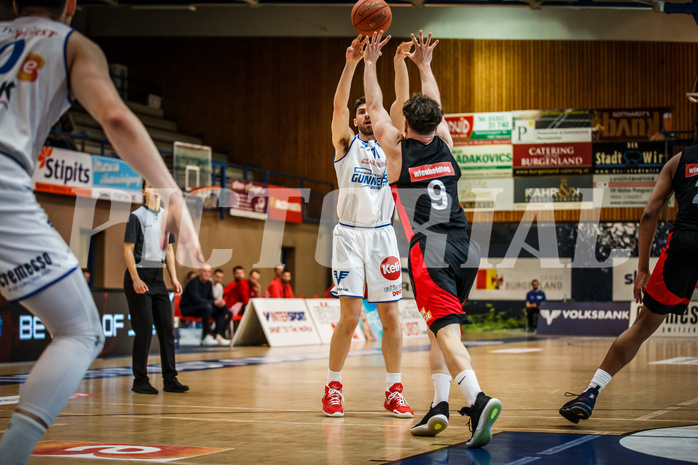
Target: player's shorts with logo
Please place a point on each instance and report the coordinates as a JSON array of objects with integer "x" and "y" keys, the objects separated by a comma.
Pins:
[
  {"x": 440, "y": 280},
  {"x": 33, "y": 255},
  {"x": 674, "y": 278},
  {"x": 366, "y": 259}
]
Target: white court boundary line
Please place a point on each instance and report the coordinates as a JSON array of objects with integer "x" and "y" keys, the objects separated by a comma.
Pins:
[{"x": 667, "y": 410}]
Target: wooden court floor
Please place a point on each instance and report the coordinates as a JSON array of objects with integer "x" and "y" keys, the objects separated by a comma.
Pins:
[{"x": 262, "y": 405}]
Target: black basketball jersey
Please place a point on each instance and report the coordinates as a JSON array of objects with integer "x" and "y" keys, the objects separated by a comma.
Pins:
[
  {"x": 426, "y": 194},
  {"x": 685, "y": 184}
]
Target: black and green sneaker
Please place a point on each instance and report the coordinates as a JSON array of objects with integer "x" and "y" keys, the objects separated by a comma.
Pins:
[
  {"x": 435, "y": 421},
  {"x": 483, "y": 414}
]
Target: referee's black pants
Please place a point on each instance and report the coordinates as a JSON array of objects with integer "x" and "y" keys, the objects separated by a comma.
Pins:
[{"x": 152, "y": 308}]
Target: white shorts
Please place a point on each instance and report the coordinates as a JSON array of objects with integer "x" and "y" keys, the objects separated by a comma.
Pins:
[
  {"x": 33, "y": 255},
  {"x": 366, "y": 258}
]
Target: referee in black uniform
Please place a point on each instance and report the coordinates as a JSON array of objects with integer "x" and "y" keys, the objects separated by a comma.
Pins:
[{"x": 147, "y": 296}]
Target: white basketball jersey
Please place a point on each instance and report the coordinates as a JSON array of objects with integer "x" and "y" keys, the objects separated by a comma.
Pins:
[
  {"x": 34, "y": 85},
  {"x": 365, "y": 199}
]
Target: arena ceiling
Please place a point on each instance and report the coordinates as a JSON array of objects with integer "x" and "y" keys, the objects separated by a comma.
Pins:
[{"x": 672, "y": 6}]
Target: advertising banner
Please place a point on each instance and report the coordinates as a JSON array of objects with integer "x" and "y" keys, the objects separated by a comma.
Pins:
[
  {"x": 277, "y": 322},
  {"x": 285, "y": 204},
  {"x": 412, "y": 322},
  {"x": 477, "y": 128},
  {"x": 552, "y": 159},
  {"x": 628, "y": 157},
  {"x": 250, "y": 199},
  {"x": 490, "y": 194},
  {"x": 325, "y": 314},
  {"x": 685, "y": 325},
  {"x": 511, "y": 279},
  {"x": 630, "y": 124},
  {"x": 551, "y": 126},
  {"x": 584, "y": 318},
  {"x": 626, "y": 190},
  {"x": 23, "y": 336},
  {"x": 66, "y": 172},
  {"x": 556, "y": 192},
  {"x": 624, "y": 273},
  {"x": 478, "y": 161},
  {"x": 114, "y": 178}
]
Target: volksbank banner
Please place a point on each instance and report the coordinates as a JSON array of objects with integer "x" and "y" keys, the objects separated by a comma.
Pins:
[
  {"x": 584, "y": 318},
  {"x": 489, "y": 160}
]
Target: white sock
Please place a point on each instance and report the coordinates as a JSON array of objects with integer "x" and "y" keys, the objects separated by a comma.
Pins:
[
  {"x": 392, "y": 378},
  {"x": 600, "y": 379},
  {"x": 334, "y": 376},
  {"x": 467, "y": 382},
  {"x": 19, "y": 439},
  {"x": 442, "y": 387}
]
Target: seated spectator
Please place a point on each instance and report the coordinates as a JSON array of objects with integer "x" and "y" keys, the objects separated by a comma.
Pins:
[
  {"x": 280, "y": 288},
  {"x": 198, "y": 301},
  {"x": 191, "y": 275},
  {"x": 216, "y": 280},
  {"x": 245, "y": 290},
  {"x": 230, "y": 292}
]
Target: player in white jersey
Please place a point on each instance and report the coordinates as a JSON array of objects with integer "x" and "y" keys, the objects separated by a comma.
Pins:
[
  {"x": 365, "y": 256},
  {"x": 44, "y": 65}
]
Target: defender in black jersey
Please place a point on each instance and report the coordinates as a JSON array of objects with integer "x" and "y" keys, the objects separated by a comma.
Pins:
[
  {"x": 442, "y": 264},
  {"x": 673, "y": 280}
]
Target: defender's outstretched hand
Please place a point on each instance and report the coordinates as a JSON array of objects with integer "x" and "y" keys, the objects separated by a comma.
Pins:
[
  {"x": 355, "y": 52},
  {"x": 374, "y": 46},
  {"x": 422, "y": 49},
  {"x": 403, "y": 51}
]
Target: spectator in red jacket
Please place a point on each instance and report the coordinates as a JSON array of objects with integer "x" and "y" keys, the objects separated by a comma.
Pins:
[
  {"x": 230, "y": 293},
  {"x": 280, "y": 288}
]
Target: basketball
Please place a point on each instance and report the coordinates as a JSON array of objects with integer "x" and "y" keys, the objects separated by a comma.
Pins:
[{"x": 369, "y": 16}]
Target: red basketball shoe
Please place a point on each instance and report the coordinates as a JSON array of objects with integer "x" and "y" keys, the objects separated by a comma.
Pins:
[
  {"x": 332, "y": 400},
  {"x": 395, "y": 403}
]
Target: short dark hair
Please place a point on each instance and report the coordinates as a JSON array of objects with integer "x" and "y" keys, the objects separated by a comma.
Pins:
[
  {"x": 422, "y": 113},
  {"x": 358, "y": 103},
  {"x": 238, "y": 267},
  {"x": 218, "y": 270},
  {"x": 255, "y": 270},
  {"x": 53, "y": 7}
]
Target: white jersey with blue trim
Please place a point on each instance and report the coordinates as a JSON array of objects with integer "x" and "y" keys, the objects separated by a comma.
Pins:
[
  {"x": 34, "y": 85},
  {"x": 365, "y": 199}
]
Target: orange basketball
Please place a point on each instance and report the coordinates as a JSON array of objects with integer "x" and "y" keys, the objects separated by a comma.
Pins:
[{"x": 369, "y": 16}]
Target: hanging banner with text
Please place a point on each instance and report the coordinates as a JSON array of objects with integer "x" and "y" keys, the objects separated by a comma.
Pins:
[
  {"x": 551, "y": 127},
  {"x": 626, "y": 190},
  {"x": 630, "y": 124},
  {"x": 480, "y": 128},
  {"x": 511, "y": 279},
  {"x": 556, "y": 192},
  {"x": 67, "y": 172},
  {"x": 629, "y": 157},
  {"x": 249, "y": 199},
  {"x": 483, "y": 161},
  {"x": 552, "y": 159},
  {"x": 489, "y": 194}
]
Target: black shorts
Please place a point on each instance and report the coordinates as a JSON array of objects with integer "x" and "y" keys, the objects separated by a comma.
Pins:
[
  {"x": 675, "y": 276},
  {"x": 440, "y": 281}
]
